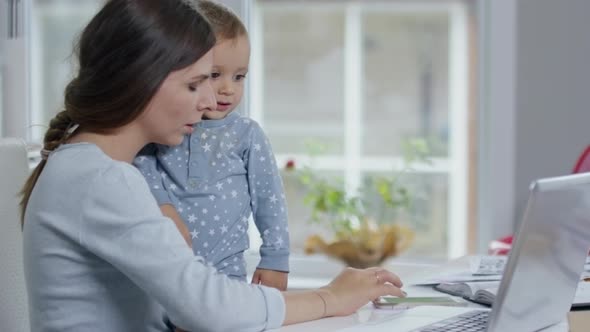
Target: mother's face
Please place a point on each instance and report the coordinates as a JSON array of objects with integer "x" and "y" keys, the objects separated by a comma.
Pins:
[{"x": 179, "y": 103}]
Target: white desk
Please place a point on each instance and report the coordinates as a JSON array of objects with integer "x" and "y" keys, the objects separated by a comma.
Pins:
[{"x": 408, "y": 272}]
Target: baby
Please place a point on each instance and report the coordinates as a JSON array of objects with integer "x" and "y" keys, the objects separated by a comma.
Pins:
[{"x": 224, "y": 171}]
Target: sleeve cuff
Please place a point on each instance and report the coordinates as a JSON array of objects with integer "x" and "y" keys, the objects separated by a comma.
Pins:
[
  {"x": 275, "y": 307},
  {"x": 277, "y": 260},
  {"x": 162, "y": 197}
]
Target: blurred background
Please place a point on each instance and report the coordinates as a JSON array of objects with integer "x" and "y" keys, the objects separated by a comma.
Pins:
[{"x": 496, "y": 89}]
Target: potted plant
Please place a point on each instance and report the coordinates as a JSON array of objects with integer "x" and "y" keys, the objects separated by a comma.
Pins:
[{"x": 363, "y": 234}]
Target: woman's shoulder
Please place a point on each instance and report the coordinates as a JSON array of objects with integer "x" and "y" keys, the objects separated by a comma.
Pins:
[{"x": 87, "y": 162}]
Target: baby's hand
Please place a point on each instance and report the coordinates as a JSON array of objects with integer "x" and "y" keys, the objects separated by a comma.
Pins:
[{"x": 270, "y": 278}]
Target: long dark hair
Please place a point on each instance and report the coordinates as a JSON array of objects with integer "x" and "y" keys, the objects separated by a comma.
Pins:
[{"x": 124, "y": 53}]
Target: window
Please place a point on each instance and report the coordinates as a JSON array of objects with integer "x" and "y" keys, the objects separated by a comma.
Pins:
[
  {"x": 362, "y": 77},
  {"x": 55, "y": 26}
]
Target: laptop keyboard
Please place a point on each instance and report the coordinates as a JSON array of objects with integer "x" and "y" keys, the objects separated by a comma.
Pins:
[{"x": 472, "y": 321}]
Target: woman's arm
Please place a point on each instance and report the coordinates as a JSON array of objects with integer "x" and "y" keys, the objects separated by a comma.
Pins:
[{"x": 123, "y": 225}]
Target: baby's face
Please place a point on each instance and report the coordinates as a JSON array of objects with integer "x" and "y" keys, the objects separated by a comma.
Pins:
[{"x": 230, "y": 66}]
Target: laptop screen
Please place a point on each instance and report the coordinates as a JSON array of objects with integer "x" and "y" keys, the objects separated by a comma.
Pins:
[{"x": 543, "y": 270}]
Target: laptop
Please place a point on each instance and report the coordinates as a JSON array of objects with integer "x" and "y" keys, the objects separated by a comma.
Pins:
[{"x": 540, "y": 278}]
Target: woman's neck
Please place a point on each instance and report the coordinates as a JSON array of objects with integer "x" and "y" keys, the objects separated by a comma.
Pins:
[{"x": 120, "y": 145}]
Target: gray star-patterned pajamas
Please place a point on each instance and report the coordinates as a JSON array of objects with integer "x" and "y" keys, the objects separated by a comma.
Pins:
[{"x": 216, "y": 178}]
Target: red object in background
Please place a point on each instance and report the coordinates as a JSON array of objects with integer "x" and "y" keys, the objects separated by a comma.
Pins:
[
  {"x": 502, "y": 246},
  {"x": 290, "y": 165},
  {"x": 583, "y": 164}
]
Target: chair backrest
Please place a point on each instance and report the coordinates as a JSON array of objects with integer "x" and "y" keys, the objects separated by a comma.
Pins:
[
  {"x": 14, "y": 315},
  {"x": 583, "y": 164}
]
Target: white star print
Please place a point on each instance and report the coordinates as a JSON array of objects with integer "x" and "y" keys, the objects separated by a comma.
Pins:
[
  {"x": 141, "y": 159},
  {"x": 222, "y": 240}
]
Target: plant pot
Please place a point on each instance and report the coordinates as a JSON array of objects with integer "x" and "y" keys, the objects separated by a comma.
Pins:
[{"x": 364, "y": 247}]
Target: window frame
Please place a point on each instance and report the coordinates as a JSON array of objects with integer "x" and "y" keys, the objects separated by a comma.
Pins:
[
  {"x": 354, "y": 164},
  {"x": 492, "y": 149}
]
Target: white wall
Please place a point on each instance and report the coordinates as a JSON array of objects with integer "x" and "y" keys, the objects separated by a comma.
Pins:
[
  {"x": 496, "y": 134},
  {"x": 553, "y": 89},
  {"x": 534, "y": 102}
]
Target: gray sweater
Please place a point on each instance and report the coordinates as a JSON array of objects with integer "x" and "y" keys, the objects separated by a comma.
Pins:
[{"x": 99, "y": 256}]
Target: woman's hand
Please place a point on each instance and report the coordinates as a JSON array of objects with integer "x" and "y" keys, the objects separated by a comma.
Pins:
[{"x": 353, "y": 288}]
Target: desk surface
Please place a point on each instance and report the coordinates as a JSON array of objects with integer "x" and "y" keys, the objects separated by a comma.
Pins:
[{"x": 579, "y": 320}]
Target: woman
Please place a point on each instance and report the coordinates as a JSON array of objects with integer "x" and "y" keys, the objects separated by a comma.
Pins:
[{"x": 99, "y": 255}]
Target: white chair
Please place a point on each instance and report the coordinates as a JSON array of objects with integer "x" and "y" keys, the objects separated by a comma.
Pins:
[{"x": 14, "y": 169}]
